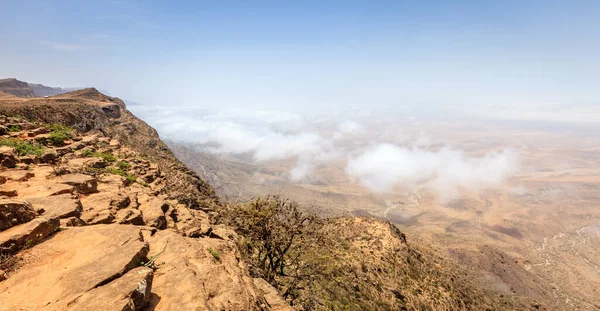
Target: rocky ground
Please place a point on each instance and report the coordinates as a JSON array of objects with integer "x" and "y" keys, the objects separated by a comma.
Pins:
[{"x": 87, "y": 222}]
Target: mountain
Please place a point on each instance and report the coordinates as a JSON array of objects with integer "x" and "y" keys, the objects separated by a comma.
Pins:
[
  {"x": 24, "y": 89},
  {"x": 96, "y": 211},
  {"x": 16, "y": 87}
]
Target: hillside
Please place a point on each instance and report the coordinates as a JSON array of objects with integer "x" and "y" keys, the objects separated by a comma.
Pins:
[
  {"x": 16, "y": 87},
  {"x": 97, "y": 213}
]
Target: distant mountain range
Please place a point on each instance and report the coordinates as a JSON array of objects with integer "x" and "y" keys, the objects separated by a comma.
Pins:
[{"x": 24, "y": 89}]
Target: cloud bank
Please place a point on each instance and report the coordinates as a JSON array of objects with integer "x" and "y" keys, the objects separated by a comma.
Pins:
[
  {"x": 384, "y": 166},
  {"x": 262, "y": 136}
]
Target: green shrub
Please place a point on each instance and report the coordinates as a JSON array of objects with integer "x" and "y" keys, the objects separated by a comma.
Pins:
[
  {"x": 23, "y": 147},
  {"x": 59, "y": 133},
  {"x": 106, "y": 156},
  {"x": 14, "y": 128},
  {"x": 58, "y": 138},
  {"x": 130, "y": 179},
  {"x": 215, "y": 254},
  {"x": 124, "y": 165}
]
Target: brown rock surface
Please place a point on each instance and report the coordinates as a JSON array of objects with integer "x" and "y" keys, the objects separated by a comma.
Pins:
[
  {"x": 70, "y": 264},
  {"x": 127, "y": 293},
  {"x": 27, "y": 234},
  {"x": 8, "y": 157},
  {"x": 192, "y": 279},
  {"x": 17, "y": 175},
  {"x": 14, "y": 212},
  {"x": 82, "y": 183},
  {"x": 61, "y": 206}
]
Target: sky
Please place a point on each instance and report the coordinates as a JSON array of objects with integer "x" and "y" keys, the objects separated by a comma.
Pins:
[
  {"x": 304, "y": 80},
  {"x": 427, "y": 55}
]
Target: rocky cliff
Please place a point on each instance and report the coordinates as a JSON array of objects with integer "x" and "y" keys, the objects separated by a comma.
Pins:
[{"x": 97, "y": 214}]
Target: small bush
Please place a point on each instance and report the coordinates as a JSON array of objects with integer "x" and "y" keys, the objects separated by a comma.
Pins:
[
  {"x": 130, "y": 179},
  {"x": 124, "y": 165},
  {"x": 14, "y": 128},
  {"x": 23, "y": 147},
  {"x": 58, "y": 138},
  {"x": 59, "y": 133},
  {"x": 106, "y": 156},
  {"x": 215, "y": 254}
]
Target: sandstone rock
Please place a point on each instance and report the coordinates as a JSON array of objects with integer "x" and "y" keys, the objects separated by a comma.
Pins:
[
  {"x": 93, "y": 162},
  {"x": 27, "y": 234},
  {"x": 192, "y": 223},
  {"x": 130, "y": 216},
  {"x": 15, "y": 212},
  {"x": 97, "y": 208},
  {"x": 61, "y": 206},
  {"x": 17, "y": 175},
  {"x": 48, "y": 156},
  {"x": 8, "y": 157},
  {"x": 39, "y": 131},
  {"x": 61, "y": 151},
  {"x": 72, "y": 222},
  {"x": 191, "y": 279},
  {"x": 8, "y": 192},
  {"x": 75, "y": 261},
  {"x": 29, "y": 159},
  {"x": 2, "y": 275},
  {"x": 127, "y": 293},
  {"x": 153, "y": 211},
  {"x": 274, "y": 300},
  {"x": 222, "y": 232},
  {"x": 82, "y": 183},
  {"x": 37, "y": 189}
]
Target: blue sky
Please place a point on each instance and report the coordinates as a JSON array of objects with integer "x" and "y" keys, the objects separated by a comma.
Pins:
[{"x": 439, "y": 54}]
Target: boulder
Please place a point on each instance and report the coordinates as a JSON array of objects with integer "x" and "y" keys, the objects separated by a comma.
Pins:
[
  {"x": 192, "y": 223},
  {"x": 82, "y": 183},
  {"x": 130, "y": 216},
  {"x": 27, "y": 234},
  {"x": 74, "y": 262},
  {"x": 17, "y": 175},
  {"x": 8, "y": 157},
  {"x": 36, "y": 189},
  {"x": 97, "y": 208},
  {"x": 93, "y": 162},
  {"x": 30, "y": 159},
  {"x": 130, "y": 292},
  {"x": 61, "y": 206},
  {"x": 153, "y": 211},
  {"x": 15, "y": 212},
  {"x": 71, "y": 222},
  {"x": 49, "y": 156}
]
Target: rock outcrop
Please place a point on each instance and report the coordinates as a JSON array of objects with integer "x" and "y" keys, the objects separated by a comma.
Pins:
[{"x": 104, "y": 219}]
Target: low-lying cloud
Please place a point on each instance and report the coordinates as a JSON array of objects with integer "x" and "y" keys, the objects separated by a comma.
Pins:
[
  {"x": 384, "y": 166},
  {"x": 275, "y": 135}
]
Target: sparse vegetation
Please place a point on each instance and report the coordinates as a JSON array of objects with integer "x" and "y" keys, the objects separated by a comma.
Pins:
[
  {"x": 123, "y": 165},
  {"x": 59, "y": 133},
  {"x": 23, "y": 147},
  {"x": 215, "y": 254},
  {"x": 329, "y": 264},
  {"x": 106, "y": 156},
  {"x": 13, "y": 128}
]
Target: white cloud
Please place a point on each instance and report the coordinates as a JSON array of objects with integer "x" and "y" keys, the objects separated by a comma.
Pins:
[
  {"x": 385, "y": 165},
  {"x": 350, "y": 126}
]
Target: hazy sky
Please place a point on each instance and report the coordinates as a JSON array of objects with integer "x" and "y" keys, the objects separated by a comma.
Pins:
[{"x": 443, "y": 54}]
